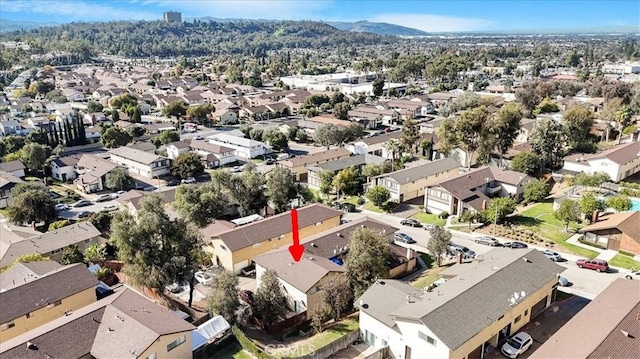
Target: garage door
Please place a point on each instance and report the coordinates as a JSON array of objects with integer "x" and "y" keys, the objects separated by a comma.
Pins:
[{"x": 538, "y": 307}]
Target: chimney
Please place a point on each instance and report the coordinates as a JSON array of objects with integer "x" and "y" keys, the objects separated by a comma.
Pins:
[
  {"x": 484, "y": 204},
  {"x": 595, "y": 216},
  {"x": 459, "y": 258},
  {"x": 409, "y": 253}
]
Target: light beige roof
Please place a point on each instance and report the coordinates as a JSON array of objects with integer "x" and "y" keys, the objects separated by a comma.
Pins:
[
  {"x": 136, "y": 155},
  {"x": 627, "y": 222}
]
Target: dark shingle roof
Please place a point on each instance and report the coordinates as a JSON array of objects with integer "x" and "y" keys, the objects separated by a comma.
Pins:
[
  {"x": 275, "y": 226},
  {"x": 314, "y": 158},
  {"x": 429, "y": 169},
  {"x": 357, "y": 160},
  {"x": 48, "y": 289}
]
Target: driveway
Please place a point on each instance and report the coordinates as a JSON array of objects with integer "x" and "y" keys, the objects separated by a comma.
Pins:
[{"x": 408, "y": 208}]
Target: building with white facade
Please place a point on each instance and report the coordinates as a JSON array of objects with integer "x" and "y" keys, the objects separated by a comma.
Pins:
[
  {"x": 479, "y": 306},
  {"x": 142, "y": 163},
  {"x": 618, "y": 162},
  {"x": 244, "y": 148}
]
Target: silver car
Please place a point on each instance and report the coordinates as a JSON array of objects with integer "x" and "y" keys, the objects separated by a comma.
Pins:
[
  {"x": 490, "y": 241},
  {"x": 554, "y": 256}
]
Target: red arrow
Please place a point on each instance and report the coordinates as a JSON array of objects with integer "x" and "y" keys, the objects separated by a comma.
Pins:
[{"x": 296, "y": 249}]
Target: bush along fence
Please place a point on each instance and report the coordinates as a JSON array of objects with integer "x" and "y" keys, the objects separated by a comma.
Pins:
[{"x": 248, "y": 345}]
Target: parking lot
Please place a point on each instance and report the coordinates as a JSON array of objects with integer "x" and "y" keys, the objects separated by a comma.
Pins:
[{"x": 542, "y": 327}]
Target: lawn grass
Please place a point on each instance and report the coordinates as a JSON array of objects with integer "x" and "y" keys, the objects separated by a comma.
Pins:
[
  {"x": 624, "y": 261},
  {"x": 353, "y": 200},
  {"x": 320, "y": 340},
  {"x": 3, "y": 212},
  {"x": 540, "y": 220},
  {"x": 232, "y": 351},
  {"x": 430, "y": 218},
  {"x": 369, "y": 206}
]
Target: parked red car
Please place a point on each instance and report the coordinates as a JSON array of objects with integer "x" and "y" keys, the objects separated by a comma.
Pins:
[{"x": 598, "y": 265}]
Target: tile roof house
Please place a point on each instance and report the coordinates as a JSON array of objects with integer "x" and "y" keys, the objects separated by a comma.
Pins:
[
  {"x": 51, "y": 295},
  {"x": 618, "y": 162},
  {"x": 356, "y": 161},
  {"x": 474, "y": 189},
  {"x": 615, "y": 311},
  {"x": 302, "y": 281},
  {"x": 141, "y": 163},
  {"x": 7, "y": 182},
  {"x": 410, "y": 183},
  {"x": 16, "y": 168},
  {"x": 15, "y": 241},
  {"x": 103, "y": 329},
  {"x": 618, "y": 231},
  {"x": 235, "y": 249},
  {"x": 213, "y": 155},
  {"x": 92, "y": 173},
  {"x": 298, "y": 165},
  {"x": 482, "y": 303}
]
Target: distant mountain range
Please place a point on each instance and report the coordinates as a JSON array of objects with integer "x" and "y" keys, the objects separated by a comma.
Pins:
[
  {"x": 380, "y": 28},
  {"x": 10, "y": 25}
]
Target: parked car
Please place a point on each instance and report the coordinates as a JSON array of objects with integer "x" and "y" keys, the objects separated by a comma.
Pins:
[
  {"x": 554, "y": 256},
  {"x": 516, "y": 345},
  {"x": 283, "y": 156},
  {"x": 85, "y": 214},
  {"x": 110, "y": 208},
  {"x": 82, "y": 203},
  {"x": 634, "y": 274},
  {"x": 174, "y": 288},
  {"x": 269, "y": 161},
  {"x": 104, "y": 197},
  {"x": 336, "y": 205},
  {"x": 404, "y": 238},
  {"x": 598, "y": 265},
  {"x": 189, "y": 180},
  {"x": 348, "y": 207},
  {"x": 199, "y": 137},
  {"x": 564, "y": 282},
  {"x": 429, "y": 226},
  {"x": 515, "y": 245},
  {"x": 247, "y": 296},
  {"x": 203, "y": 277},
  {"x": 455, "y": 249},
  {"x": 61, "y": 207},
  {"x": 490, "y": 241},
  {"x": 173, "y": 183},
  {"x": 120, "y": 193},
  {"x": 411, "y": 222}
]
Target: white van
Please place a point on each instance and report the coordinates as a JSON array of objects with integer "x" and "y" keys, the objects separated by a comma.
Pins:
[{"x": 283, "y": 156}]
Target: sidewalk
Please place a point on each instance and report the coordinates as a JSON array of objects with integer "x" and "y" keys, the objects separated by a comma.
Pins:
[{"x": 604, "y": 254}]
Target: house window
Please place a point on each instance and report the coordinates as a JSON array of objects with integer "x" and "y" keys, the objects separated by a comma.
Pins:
[
  {"x": 176, "y": 343},
  {"x": 426, "y": 338},
  {"x": 29, "y": 315},
  {"x": 517, "y": 319},
  {"x": 526, "y": 312},
  {"x": 502, "y": 316},
  {"x": 223, "y": 247},
  {"x": 54, "y": 304},
  {"x": 318, "y": 223},
  {"x": 7, "y": 326}
]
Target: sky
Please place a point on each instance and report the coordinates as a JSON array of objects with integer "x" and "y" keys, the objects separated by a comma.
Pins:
[{"x": 426, "y": 15}]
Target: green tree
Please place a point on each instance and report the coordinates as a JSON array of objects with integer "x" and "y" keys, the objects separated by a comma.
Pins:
[
  {"x": 327, "y": 135},
  {"x": 165, "y": 138},
  {"x": 502, "y": 207},
  {"x": 378, "y": 195},
  {"x": 281, "y": 188},
  {"x": 546, "y": 106},
  {"x": 353, "y": 131},
  {"x": 589, "y": 203},
  {"x": 572, "y": 59},
  {"x": 122, "y": 100},
  {"x": 366, "y": 259},
  {"x": 95, "y": 253},
  {"x": 506, "y": 126},
  {"x": 176, "y": 108},
  {"x": 137, "y": 131},
  {"x": 270, "y": 302},
  {"x": 58, "y": 224},
  {"x": 31, "y": 204},
  {"x": 156, "y": 250},
  {"x": 223, "y": 299},
  {"x": 594, "y": 180},
  {"x": 119, "y": 179},
  {"x": 292, "y": 133},
  {"x": 93, "y": 106},
  {"x": 470, "y": 133},
  {"x": 200, "y": 114},
  {"x": 410, "y": 135},
  {"x": 623, "y": 119},
  {"x": 526, "y": 162},
  {"x": 187, "y": 164},
  {"x": 34, "y": 156},
  {"x": 337, "y": 295},
  {"x": 577, "y": 125},
  {"x": 439, "y": 242},
  {"x": 341, "y": 110},
  {"x": 38, "y": 136},
  {"x": 536, "y": 191},
  {"x": 72, "y": 255},
  {"x": 200, "y": 204},
  {"x": 620, "y": 203},
  {"x": 326, "y": 182},
  {"x": 101, "y": 220},
  {"x": 115, "y": 137},
  {"x": 344, "y": 181},
  {"x": 11, "y": 144},
  {"x": 569, "y": 211},
  {"x": 548, "y": 140},
  {"x": 276, "y": 139},
  {"x": 393, "y": 149},
  {"x": 378, "y": 87}
]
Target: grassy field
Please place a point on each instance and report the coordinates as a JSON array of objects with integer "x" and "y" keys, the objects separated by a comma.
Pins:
[
  {"x": 624, "y": 261},
  {"x": 353, "y": 200},
  {"x": 540, "y": 220},
  {"x": 318, "y": 341},
  {"x": 429, "y": 218},
  {"x": 369, "y": 206}
]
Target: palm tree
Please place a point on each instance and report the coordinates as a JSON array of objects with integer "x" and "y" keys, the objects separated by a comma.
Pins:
[
  {"x": 393, "y": 147},
  {"x": 623, "y": 116}
]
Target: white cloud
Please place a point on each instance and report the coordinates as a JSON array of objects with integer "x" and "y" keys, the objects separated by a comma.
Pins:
[
  {"x": 64, "y": 10},
  {"x": 434, "y": 23}
]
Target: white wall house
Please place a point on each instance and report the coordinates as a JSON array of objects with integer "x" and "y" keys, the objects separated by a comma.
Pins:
[
  {"x": 142, "y": 163},
  {"x": 63, "y": 168},
  {"x": 618, "y": 162},
  {"x": 244, "y": 148}
]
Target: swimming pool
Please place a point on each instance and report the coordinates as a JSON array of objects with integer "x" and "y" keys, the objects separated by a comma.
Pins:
[{"x": 635, "y": 204}]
